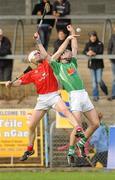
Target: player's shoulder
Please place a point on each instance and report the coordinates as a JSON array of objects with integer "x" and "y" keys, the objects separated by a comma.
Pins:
[
  {"x": 55, "y": 61},
  {"x": 74, "y": 58}
]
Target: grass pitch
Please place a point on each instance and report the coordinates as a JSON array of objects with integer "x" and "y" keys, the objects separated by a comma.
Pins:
[{"x": 107, "y": 175}]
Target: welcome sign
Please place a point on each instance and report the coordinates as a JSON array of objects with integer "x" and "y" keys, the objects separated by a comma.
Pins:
[{"x": 14, "y": 132}]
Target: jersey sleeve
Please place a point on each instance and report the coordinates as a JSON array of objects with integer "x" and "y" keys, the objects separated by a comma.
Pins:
[
  {"x": 26, "y": 78},
  {"x": 55, "y": 66}
]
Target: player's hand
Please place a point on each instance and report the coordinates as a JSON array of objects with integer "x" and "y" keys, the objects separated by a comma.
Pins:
[
  {"x": 70, "y": 37},
  {"x": 36, "y": 36},
  {"x": 8, "y": 84}
]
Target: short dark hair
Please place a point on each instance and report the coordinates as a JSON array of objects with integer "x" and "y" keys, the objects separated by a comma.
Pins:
[
  {"x": 92, "y": 33},
  {"x": 64, "y": 30}
]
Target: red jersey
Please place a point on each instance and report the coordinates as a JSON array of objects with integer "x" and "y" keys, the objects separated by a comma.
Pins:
[{"x": 43, "y": 78}]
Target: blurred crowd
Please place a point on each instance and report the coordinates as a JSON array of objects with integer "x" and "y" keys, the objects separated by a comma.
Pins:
[{"x": 62, "y": 8}]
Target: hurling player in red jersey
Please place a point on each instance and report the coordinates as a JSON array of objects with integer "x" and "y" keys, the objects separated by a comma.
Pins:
[{"x": 47, "y": 87}]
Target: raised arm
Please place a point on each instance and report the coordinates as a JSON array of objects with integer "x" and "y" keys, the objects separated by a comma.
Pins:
[
  {"x": 40, "y": 46},
  {"x": 63, "y": 47},
  {"x": 74, "y": 44}
]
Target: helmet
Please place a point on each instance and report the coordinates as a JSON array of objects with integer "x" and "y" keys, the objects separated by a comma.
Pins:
[{"x": 32, "y": 55}]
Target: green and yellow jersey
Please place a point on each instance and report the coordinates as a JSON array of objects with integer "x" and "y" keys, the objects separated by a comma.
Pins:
[{"x": 68, "y": 75}]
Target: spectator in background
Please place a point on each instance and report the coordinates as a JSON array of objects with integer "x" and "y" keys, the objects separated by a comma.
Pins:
[
  {"x": 6, "y": 65},
  {"x": 47, "y": 25},
  {"x": 61, "y": 8},
  {"x": 92, "y": 48},
  {"x": 99, "y": 141},
  {"x": 62, "y": 35},
  {"x": 111, "y": 50}
]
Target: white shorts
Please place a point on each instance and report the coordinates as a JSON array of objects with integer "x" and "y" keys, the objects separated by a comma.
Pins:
[
  {"x": 80, "y": 101},
  {"x": 46, "y": 101}
]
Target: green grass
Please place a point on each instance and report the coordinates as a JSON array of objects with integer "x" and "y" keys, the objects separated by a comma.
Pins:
[{"x": 57, "y": 175}]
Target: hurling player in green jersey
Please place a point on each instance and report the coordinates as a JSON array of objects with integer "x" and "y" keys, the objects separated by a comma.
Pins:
[{"x": 65, "y": 66}]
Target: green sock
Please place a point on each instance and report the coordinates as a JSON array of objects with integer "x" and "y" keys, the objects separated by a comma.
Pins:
[
  {"x": 71, "y": 147},
  {"x": 71, "y": 151},
  {"x": 85, "y": 138},
  {"x": 82, "y": 142}
]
